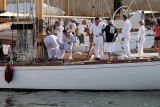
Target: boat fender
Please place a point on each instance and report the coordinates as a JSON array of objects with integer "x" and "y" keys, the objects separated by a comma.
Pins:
[{"x": 9, "y": 74}]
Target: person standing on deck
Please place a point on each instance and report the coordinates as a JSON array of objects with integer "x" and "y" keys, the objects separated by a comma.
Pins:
[
  {"x": 156, "y": 29},
  {"x": 126, "y": 35},
  {"x": 141, "y": 39},
  {"x": 53, "y": 42},
  {"x": 143, "y": 16},
  {"x": 91, "y": 36},
  {"x": 59, "y": 30},
  {"x": 72, "y": 27},
  {"x": 1, "y": 49},
  {"x": 81, "y": 30},
  {"x": 97, "y": 31},
  {"x": 111, "y": 35},
  {"x": 61, "y": 21},
  {"x": 68, "y": 40}
]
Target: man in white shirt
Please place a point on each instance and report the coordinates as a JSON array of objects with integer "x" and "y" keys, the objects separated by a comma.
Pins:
[
  {"x": 126, "y": 35},
  {"x": 143, "y": 16},
  {"x": 59, "y": 30},
  {"x": 90, "y": 36},
  {"x": 61, "y": 21},
  {"x": 97, "y": 31},
  {"x": 72, "y": 26},
  {"x": 53, "y": 43},
  {"x": 81, "y": 30},
  {"x": 68, "y": 40}
]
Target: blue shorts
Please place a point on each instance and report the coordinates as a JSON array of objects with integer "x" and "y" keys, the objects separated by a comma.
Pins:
[{"x": 157, "y": 38}]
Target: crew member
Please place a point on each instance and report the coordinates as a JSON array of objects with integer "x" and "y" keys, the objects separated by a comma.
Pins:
[
  {"x": 96, "y": 30},
  {"x": 141, "y": 39},
  {"x": 81, "y": 30},
  {"x": 1, "y": 50},
  {"x": 52, "y": 42},
  {"x": 111, "y": 35},
  {"x": 126, "y": 35},
  {"x": 59, "y": 30},
  {"x": 72, "y": 27},
  {"x": 68, "y": 41}
]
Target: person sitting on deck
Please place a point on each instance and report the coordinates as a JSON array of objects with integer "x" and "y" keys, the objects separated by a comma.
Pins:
[
  {"x": 111, "y": 35},
  {"x": 141, "y": 39},
  {"x": 68, "y": 40},
  {"x": 52, "y": 42}
]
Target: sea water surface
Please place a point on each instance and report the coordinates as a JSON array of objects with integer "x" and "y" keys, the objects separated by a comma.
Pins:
[{"x": 80, "y": 99}]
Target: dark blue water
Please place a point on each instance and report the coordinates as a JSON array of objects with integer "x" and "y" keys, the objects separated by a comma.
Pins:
[{"x": 80, "y": 99}]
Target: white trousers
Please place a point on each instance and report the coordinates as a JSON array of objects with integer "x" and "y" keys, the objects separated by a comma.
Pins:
[
  {"x": 69, "y": 48},
  {"x": 110, "y": 47},
  {"x": 140, "y": 48},
  {"x": 50, "y": 46},
  {"x": 98, "y": 48},
  {"x": 126, "y": 46}
]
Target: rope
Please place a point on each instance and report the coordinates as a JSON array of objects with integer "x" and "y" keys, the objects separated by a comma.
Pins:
[
  {"x": 151, "y": 10},
  {"x": 108, "y": 9},
  {"x": 136, "y": 5},
  {"x": 73, "y": 8},
  {"x": 129, "y": 6}
]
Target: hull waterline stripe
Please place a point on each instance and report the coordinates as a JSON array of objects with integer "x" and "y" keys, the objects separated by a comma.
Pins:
[{"x": 89, "y": 68}]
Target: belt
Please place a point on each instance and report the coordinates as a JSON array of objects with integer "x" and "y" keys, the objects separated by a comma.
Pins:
[{"x": 97, "y": 36}]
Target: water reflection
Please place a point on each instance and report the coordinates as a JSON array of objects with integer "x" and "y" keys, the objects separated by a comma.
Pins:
[
  {"x": 80, "y": 99},
  {"x": 9, "y": 102}
]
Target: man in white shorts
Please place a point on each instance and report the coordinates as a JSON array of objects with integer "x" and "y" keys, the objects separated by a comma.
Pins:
[{"x": 111, "y": 35}]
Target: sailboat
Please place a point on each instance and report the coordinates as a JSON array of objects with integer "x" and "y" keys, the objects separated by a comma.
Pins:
[{"x": 37, "y": 73}]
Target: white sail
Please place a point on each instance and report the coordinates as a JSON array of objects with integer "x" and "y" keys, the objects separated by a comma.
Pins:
[
  {"x": 143, "y": 4},
  {"x": 134, "y": 21}
]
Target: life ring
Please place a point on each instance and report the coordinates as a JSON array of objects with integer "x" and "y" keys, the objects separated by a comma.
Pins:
[{"x": 9, "y": 74}]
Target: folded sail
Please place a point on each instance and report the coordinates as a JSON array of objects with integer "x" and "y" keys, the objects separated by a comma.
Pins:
[{"x": 134, "y": 21}]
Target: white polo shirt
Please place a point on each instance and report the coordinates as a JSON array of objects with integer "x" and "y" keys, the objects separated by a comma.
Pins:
[
  {"x": 81, "y": 28},
  {"x": 96, "y": 30},
  {"x": 74, "y": 27},
  {"x": 126, "y": 28}
]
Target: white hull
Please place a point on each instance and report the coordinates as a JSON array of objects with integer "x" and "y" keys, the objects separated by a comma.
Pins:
[{"x": 125, "y": 76}]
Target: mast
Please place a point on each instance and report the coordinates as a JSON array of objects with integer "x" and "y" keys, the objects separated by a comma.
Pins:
[
  {"x": 39, "y": 23},
  {"x": 17, "y": 10},
  {"x": 66, "y": 8},
  {"x": 3, "y": 5}
]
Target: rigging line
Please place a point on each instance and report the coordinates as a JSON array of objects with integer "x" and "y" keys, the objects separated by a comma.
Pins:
[
  {"x": 79, "y": 9},
  {"x": 108, "y": 8},
  {"x": 136, "y": 5},
  {"x": 73, "y": 8},
  {"x": 93, "y": 8},
  {"x": 129, "y": 6},
  {"x": 17, "y": 10},
  {"x": 151, "y": 10},
  {"x": 1, "y": 8},
  {"x": 68, "y": 8}
]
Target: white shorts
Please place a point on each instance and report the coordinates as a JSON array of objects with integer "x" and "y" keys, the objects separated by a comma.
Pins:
[{"x": 110, "y": 47}]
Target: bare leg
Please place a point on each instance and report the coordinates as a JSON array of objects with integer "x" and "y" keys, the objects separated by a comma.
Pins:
[
  {"x": 114, "y": 56},
  {"x": 156, "y": 45},
  {"x": 159, "y": 48},
  {"x": 109, "y": 56}
]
